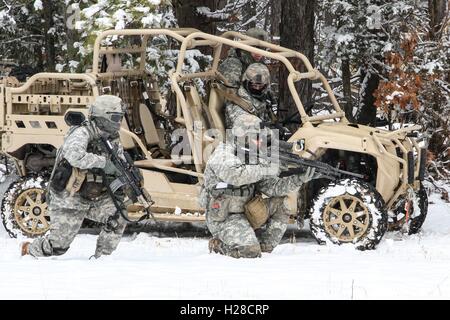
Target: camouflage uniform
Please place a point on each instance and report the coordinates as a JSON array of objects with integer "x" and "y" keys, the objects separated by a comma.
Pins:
[
  {"x": 259, "y": 105},
  {"x": 233, "y": 67},
  {"x": 82, "y": 150},
  {"x": 225, "y": 216}
]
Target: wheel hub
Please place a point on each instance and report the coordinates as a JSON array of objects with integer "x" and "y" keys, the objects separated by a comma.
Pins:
[
  {"x": 37, "y": 211},
  {"x": 346, "y": 218}
]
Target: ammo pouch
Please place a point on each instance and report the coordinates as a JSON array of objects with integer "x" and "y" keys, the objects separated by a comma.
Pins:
[
  {"x": 61, "y": 176},
  {"x": 242, "y": 191},
  {"x": 218, "y": 208},
  {"x": 256, "y": 211},
  {"x": 92, "y": 187},
  {"x": 75, "y": 181}
]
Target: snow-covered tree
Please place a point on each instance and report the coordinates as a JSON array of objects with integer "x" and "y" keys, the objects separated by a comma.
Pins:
[
  {"x": 98, "y": 16},
  {"x": 383, "y": 53},
  {"x": 236, "y": 15},
  {"x": 353, "y": 38},
  {"x": 32, "y": 32}
]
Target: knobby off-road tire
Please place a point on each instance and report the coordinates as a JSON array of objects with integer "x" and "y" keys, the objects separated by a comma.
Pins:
[
  {"x": 24, "y": 207},
  {"x": 418, "y": 209},
  {"x": 349, "y": 211}
]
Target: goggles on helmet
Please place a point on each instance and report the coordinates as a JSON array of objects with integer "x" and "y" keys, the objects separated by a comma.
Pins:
[{"x": 115, "y": 116}]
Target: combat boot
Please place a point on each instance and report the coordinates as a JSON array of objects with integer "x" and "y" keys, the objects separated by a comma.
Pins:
[
  {"x": 265, "y": 247},
  {"x": 215, "y": 245},
  {"x": 24, "y": 248},
  {"x": 251, "y": 251}
]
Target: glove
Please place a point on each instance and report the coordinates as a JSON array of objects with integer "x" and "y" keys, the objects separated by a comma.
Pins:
[
  {"x": 110, "y": 168},
  {"x": 308, "y": 175}
]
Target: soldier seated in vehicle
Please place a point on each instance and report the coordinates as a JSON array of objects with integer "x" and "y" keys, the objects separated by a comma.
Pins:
[
  {"x": 252, "y": 97},
  {"x": 234, "y": 69},
  {"x": 76, "y": 188},
  {"x": 236, "y": 179}
]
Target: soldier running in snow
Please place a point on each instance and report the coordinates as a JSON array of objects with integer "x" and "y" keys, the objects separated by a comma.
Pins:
[{"x": 83, "y": 157}]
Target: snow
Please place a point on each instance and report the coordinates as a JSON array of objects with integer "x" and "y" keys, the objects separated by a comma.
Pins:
[
  {"x": 205, "y": 11},
  {"x": 60, "y": 67},
  {"x": 148, "y": 267},
  {"x": 2, "y": 172},
  {"x": 38, "y": 5},
  {"x": 73, "y": 64},
  {"x": 432, "y": 66},
  {"x": 152, "y": 20},
  {"x": 343, "y": 38},
  {"x": 393, "y": 95}
]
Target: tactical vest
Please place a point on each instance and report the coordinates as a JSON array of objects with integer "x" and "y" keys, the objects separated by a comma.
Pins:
[{"x": 89, "y": 184}]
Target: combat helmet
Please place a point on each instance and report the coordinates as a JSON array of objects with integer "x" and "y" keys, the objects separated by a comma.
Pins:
[
  {"x": 256, "y": 80},
  {"x": 258, "y": 33},
  {"x": 246, "y": 124},
  {"x": 248, "y": 136},
  {"x": 107, "y": 112}
]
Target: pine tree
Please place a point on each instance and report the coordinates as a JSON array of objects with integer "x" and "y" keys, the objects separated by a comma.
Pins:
[
  {"x": 32, "y": 32},
  {"x": 98, "y": 16}
]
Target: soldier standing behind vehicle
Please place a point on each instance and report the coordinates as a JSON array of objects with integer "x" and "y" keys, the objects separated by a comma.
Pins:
[
  {"x": 234, "y": 66},
  {"x": 77, "y": 187},
  {"x": 232, "y": 193}
]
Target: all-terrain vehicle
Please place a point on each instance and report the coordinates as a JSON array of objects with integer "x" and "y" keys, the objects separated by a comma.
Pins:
[{"x": 346, "y": 211}]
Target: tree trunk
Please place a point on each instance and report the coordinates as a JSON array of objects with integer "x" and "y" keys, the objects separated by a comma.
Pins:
[
  {"x": 346, "y": 75},
  {"x": 72, "y": 35},
  {"x": 275, "y": 18},
  {"x": 188, "y": 17},
  {"x": 50, "y": 50},
  {"x": 438, "y": 10},
  {"x": 297, "y": 33},
  {"x": 368, "y": 110}
]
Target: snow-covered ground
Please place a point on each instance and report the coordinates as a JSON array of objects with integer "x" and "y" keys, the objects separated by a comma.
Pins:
[{"x": 148, "y": 267}]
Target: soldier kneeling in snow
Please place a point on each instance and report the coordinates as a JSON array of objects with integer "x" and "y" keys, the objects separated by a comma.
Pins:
[
  {"x": 83, "y": 157},
  {"x": 235, "y": 180}
]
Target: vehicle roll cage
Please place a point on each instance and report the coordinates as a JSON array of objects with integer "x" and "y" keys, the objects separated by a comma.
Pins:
[{"x": 192, "y": 38}]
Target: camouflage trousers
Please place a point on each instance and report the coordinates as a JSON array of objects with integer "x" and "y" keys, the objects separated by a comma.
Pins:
[
  {"x": 66, "y": 216},
  {"x": 239, "y": 239}
]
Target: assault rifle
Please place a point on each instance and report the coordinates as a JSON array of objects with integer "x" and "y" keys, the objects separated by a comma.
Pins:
[
  {"x": 297, "y": 164},
  {"x": 288, "y": 158},
  {"x": 292, "y": 164},
  {"x": 130, "y": 178}
]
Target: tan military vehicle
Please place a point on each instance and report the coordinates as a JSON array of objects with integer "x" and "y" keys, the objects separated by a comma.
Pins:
[{"x": 171, "y": 137}]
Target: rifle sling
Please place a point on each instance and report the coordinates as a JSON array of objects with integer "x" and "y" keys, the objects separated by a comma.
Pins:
[{"x": 231, "y": 95}]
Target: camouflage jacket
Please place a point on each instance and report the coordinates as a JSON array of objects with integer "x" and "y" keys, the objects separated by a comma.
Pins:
[
  {"x": 81, "y": 147},
  {"x": 233, "y": 111},
  {"x": 234, "y": 66},
  {"x": 224, "y": 167}
]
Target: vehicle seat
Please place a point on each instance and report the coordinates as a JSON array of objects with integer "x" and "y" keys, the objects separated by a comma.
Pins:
[
  {"x": 127, "y": 141},
  {"x": 148, "y": 125}
]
